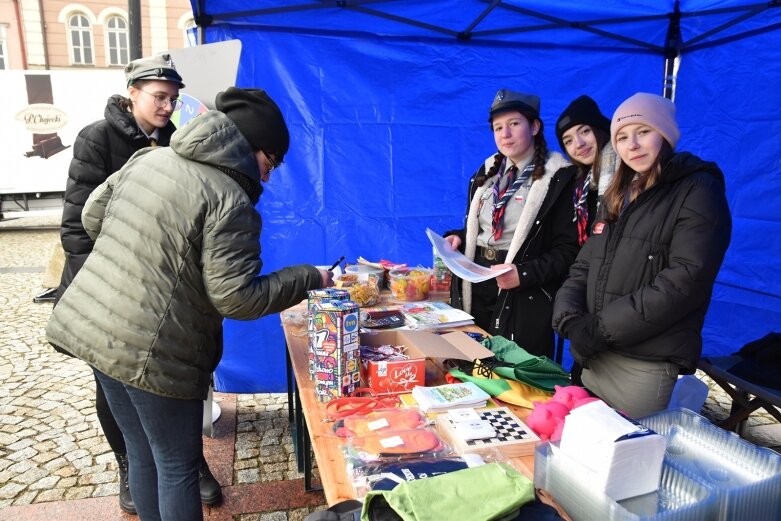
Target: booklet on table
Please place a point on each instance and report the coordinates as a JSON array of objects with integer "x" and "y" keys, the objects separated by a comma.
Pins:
[
  {"x": 433, "y": 315},
  {"x": 449, "y": 396}
]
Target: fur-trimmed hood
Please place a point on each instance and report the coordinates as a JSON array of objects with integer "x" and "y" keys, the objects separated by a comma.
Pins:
[{"x": 537, "y": 194}]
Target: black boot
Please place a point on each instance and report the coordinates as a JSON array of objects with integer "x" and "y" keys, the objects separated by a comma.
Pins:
[
  {"x": 211, "y": 492},
  {"x": 125, "y": 500}
]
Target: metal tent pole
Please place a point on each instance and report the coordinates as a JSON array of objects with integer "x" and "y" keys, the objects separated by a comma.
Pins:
[{"x": 672, "y": 52}]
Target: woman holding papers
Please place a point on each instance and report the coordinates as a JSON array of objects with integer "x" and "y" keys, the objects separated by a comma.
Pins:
[
  {"x": 519, "y": 217},
  {"x": 635, "y": 301}
]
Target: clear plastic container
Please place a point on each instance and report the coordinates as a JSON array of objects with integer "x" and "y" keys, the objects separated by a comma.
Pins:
[
  {"x": 364, "y": 270},
  {"x": 410, "y": 284},
  {"x": 441, "y": 276},
  {"x": 364, "y": 292},
  {"x": 679, "y": 498},
  {"x": 745, "y": 478}
]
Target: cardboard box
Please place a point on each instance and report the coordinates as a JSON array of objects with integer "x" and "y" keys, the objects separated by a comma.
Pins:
[
  {"x": 315, "y": 297},
  {"x": 427, "y": 352},
  {"x": 337, "y": 360}
]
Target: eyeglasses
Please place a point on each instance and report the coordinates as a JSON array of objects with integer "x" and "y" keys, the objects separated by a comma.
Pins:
[
  {"x": 162, "y": 101},
  {"x": 271, "y": 162}
]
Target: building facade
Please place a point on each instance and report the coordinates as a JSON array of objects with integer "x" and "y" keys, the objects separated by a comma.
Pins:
[{"x": 57, "y": 34}]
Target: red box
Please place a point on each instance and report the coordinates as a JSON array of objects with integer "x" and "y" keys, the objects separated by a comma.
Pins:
[{"x": 399, "y": 376}]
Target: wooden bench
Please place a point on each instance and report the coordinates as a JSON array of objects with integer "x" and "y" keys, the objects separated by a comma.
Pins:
[{"x": 746, "y": 396}]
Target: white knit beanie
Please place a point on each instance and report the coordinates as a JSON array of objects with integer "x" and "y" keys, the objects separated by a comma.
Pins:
[{"x": 647, "y": 109}]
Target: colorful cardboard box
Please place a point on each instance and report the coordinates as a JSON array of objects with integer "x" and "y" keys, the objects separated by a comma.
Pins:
[
  {"x": 316, "y": 296},
  {"x": 335, "y": 348}
]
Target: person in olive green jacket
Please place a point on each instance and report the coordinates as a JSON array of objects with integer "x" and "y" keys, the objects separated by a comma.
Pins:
[{"x": 177, "y": 249}]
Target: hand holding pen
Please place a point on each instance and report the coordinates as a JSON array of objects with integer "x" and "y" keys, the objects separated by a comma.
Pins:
[
  {"x": 335, "y": 264},
  {"x": 327, "y": 276}
]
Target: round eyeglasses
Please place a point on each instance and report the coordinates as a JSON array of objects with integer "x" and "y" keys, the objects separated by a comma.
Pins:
[{"x": 162, "y": 101}]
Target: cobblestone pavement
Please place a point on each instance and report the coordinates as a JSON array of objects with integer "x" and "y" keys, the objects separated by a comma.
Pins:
[{"x": 51, "y": 446}]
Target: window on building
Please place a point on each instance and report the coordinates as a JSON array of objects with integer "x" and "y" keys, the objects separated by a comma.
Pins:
[
  {"x": 3, "y": 58},
  {"x": 117, "y": 39},
  {"x": 190, "y": 33},
  {"x": 81, "y": 39}
]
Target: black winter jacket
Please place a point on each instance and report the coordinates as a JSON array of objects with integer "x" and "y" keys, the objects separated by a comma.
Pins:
[
  {"x": 543, "y": 255},
  {"x": 101, "y": 148},
  {"x": 649, "y": 276}
]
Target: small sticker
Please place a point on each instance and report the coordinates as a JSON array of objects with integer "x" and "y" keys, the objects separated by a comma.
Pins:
[
  {"x": 378, "y": 424},
  {"x": 598, "y": 228},
  {"x": 393, "y": 441},
  {"x": 462, "y": 415}
]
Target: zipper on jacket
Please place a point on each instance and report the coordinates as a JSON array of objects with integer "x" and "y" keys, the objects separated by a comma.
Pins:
[
  {"x": 536, "y": 229},
  {"x": 501, "y": 311}
]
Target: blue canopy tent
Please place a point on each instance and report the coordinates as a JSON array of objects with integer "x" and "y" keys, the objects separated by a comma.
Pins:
[{"x": 387, "y": 103}]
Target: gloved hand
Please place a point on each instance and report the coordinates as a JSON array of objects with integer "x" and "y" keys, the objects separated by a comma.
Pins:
[{"x": 586, "y": 339}]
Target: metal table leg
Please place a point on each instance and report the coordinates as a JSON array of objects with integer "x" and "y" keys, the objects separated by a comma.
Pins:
[
  {"x": 300, "y": 436},
  {"x": 290, "y": 378},
  {"x": 307, "y": 448}
]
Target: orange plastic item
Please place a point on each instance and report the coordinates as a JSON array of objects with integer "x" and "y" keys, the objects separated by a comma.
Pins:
[
  {"x": 398, "y": 443},
  {"x": 380, "y": 421},
  {"x": 349, "y": 405}
]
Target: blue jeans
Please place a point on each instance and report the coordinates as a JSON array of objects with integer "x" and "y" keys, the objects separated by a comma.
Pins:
[{"x": 164, "y": 446}]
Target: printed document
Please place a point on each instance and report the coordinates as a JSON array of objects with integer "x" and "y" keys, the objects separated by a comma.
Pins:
[{"x": 458, "y": 263}]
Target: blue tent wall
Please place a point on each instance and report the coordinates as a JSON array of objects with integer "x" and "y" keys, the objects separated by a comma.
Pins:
[
  {"x": 729, "y": 106},
  {"x": 385, "y": 133}
]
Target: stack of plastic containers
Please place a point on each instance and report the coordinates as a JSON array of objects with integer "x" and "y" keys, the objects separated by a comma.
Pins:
[
  {"x": 708, "y": 474},
  {"x": 679, "y": 498},
  {"x": 745, "y": 478}
]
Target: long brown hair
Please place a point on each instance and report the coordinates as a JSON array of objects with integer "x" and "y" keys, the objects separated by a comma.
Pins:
[
  {"x": 620, "y": 186},
  {"x": 602, "y": 138},
  {"x": 538, "y": 159}
]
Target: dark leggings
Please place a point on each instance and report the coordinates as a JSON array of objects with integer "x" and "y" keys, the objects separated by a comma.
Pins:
[{"x": 107, "y": 422}]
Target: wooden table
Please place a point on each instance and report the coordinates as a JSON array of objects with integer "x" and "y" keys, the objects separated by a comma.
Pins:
[{"x": 307, "y": 417}]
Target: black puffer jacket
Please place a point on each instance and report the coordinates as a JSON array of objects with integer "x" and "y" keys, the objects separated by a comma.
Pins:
[
  {"x": 177, "y": 249},
  {"x": 101, "y": 148},
  {"x": 649, "y": 277}
]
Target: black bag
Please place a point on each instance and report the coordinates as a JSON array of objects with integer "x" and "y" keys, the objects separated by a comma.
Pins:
[
  {"x": 347, "y": 510},
  {"x": 761, "y": 362}
]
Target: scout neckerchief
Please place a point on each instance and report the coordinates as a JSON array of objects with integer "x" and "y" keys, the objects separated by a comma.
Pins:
[
  {"x": 581, "y": 209},
  {"x": 501, "y": 197}
]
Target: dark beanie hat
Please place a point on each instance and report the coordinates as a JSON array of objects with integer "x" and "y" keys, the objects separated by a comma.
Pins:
[
  {"x": 258, "y": 118},
  {"x": 582, "y": 111}
]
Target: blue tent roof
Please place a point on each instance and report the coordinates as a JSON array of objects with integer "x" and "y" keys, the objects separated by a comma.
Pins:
[
  {"x": 387, "y": 104},
  {"x": 565, "y": 23}
]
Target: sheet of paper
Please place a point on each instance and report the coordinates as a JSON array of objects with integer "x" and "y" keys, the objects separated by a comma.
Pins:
[{"x": 458, "y": 263}]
